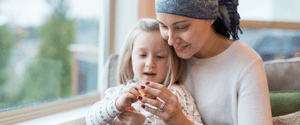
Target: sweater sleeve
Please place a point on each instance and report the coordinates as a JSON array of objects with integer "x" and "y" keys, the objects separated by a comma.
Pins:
[
  {"x": 104, "y": 111},
  {"x": 253, "y": 96},
  {"x": 188, "y": 105}
]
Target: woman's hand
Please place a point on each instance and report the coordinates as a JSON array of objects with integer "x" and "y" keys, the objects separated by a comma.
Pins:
[
  {"x": 131, "y": 117},
  {"x": 128, "y": 96},
  {"x": 171, "y": 112}
]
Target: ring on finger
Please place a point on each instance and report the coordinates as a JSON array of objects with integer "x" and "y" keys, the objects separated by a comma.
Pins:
[{"x": 161, "y": 106}]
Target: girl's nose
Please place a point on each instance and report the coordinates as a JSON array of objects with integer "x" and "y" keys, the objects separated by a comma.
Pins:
[{"x": 150, "y": 63}]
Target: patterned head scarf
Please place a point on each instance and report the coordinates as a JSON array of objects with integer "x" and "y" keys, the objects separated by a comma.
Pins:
[{"x": 226, "y": 10}]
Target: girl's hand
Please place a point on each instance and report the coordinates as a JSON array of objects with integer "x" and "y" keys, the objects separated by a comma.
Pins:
[
  {"x": 171, "y": 112},
  {"x": 131, "y": 117},
  {"x": 128, "y": 96}
]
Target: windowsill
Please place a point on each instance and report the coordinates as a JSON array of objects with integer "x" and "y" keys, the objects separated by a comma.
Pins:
[
  {"x": 62, "y": 118},
  {"x": 49, "y": 109}
]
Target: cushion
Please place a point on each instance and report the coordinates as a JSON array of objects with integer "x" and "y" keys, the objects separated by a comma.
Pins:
[
  {"x": 290, "y": 119},
  {"x": 284, "y": 102},
  {"x": 283, "y": 75}
]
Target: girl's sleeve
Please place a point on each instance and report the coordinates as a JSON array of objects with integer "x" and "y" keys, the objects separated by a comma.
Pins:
[
  {"x": 188, "y": 105},
  {"x": 253, "y": 96},
  {"x": 104, "y": 111}
]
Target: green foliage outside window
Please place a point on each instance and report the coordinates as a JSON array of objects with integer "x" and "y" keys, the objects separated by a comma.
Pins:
[
  {"x": 49, "y": 75},
  {"x": 6, "y": 48},
  {"x": 56, "y": 80}
]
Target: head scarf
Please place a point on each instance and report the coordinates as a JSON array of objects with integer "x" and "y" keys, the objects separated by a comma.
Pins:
[{"x": 226, "y": 10}]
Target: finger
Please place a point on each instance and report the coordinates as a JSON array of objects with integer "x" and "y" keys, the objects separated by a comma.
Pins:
[
  {"x": 127, "y": 114},
  {"x": 159, "y": 86},
  {"x": 163, "y": 93},
  {"x": 122, "y": 118},
  {"x": 153, "y": 102},
  {"x": 133, "y": 109},
  {"x": 156, "y": 112},
  {"x": 132, "y": 88},
  {"x": 130, "y": 96},
  {"x": 130, "y": 108}
]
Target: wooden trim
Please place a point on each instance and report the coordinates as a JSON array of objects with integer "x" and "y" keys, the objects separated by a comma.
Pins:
[
  {"x": 112, "y": 26},
  {"x": 147, "y": 9},
  {"x": 269, "y": 25},
  {"x": 74, "y": 74},
  {"x": 21, "y": 115}
]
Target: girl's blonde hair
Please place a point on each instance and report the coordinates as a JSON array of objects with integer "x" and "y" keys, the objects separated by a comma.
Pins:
[{"x": 125, "y": 71}]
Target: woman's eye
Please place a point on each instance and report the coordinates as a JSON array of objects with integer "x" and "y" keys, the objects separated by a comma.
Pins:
[
  {"x": 181, "y": 28},
  {"x": 164, "y": 27}
]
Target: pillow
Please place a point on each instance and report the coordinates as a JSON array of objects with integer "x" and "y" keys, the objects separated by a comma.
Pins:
[
  {"x": 290, "y": 119},
  {"x": 284, "y": 102}
]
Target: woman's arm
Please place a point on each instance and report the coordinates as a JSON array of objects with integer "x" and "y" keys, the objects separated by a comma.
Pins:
[
  {"x": 171, "y": 113},
  {"x": 253, "y": 97}
]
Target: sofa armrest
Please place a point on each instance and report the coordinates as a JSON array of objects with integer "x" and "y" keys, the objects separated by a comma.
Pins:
[{"x": 283, "y": 75}]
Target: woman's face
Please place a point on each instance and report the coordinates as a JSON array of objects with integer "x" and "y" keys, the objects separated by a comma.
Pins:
[
  {"x": 150, "y": 57},
  {"x": 186, "y": 35}
]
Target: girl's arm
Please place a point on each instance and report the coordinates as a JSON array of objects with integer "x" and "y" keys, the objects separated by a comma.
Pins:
[{"x": 104, "y": 111}]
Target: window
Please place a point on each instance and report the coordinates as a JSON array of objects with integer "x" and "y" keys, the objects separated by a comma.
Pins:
[
  {"x": 48, "y": 51},
  {"x": 271, "y": 27}
]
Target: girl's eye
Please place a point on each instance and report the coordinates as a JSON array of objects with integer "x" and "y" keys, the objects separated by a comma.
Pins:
[
  {"x": 142, "y": 55},
  {"x": 160, "y": 57}
]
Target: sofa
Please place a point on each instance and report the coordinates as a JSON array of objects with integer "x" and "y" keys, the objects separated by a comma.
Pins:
[{"x": 283, "y": 80}]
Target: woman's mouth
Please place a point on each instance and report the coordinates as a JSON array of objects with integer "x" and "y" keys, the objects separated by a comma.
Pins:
[{"x": 180, "y": 48}]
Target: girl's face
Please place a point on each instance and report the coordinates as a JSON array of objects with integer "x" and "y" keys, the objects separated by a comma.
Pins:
[
  {"x": 150, "y": 58},
  {"x": 186, "y": 35}
]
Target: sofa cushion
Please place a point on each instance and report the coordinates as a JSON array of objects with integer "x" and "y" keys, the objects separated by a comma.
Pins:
[
  {"x": 284, "y": 102},
  {"x": 290, "y": 119},
  {"x": 283, "y": 75}
]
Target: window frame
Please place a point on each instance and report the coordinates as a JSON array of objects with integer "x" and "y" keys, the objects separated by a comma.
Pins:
[{"x": 21, "y": 115}]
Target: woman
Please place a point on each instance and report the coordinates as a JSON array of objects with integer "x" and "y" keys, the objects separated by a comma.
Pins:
[{"x": 226, "y": 77}]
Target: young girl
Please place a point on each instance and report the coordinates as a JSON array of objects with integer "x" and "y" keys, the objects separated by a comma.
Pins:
[{"x": 145, "y": 57}]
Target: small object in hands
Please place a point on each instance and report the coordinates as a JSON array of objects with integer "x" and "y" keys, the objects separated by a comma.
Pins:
[
  {"x": 161, "y": 106},
  {"x": 148, "y": 95}
]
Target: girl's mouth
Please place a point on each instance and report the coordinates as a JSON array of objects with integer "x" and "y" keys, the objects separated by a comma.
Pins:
[{"x": 151, "y": 75}]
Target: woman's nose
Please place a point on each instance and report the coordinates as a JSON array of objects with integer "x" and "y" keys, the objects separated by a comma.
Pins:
[{"x": 171, "y": 38}]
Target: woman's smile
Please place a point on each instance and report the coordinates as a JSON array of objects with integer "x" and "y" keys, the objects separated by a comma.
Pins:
[{"x": 180, "y": 48}]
